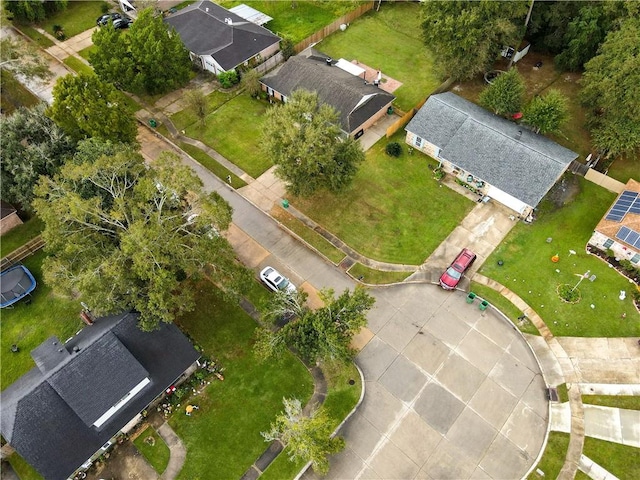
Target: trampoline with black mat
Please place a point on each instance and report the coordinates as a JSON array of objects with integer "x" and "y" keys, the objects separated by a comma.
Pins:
[{"x": 15, "y": 284}]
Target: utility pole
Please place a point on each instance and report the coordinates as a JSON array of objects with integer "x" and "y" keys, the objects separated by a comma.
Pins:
[{"x": 526, "y": 22}]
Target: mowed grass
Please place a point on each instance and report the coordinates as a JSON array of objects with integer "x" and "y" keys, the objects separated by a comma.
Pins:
[
  {"x": 628, "y": 402},
  {"x": 234, "y": 130},
  {"x": 20, "y": 235},
  {"x": 223, "y": 437},
  {"x": 529, "y": 271},
  {"x": 620, "y": 460},
  {"x": 13, "y": 95},
  {"x": 185, "y": 118},
  {"x": 76, "y": 18},
  {"x": 394, "y": 211},
  {"x": 376, "y": 277},
  {"x": 28, "y": 326},
  {"x": 212, "y": 165},
  {"x": 553, "y": 456},
  {"x": 389, "y": 40},
  {"x": 77, "y": 65},
  {"x": 155, "y": 451},
  {"x": 299, "y": 19}
]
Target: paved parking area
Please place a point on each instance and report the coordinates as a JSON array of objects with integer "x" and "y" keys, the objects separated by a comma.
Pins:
[{"x": 451, "y": 393}]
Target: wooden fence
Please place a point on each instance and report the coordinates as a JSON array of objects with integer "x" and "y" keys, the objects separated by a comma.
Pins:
[
  {"x": 21, "y": 253},
  {"x": 400, "y": 123},
  {"x": 270, "y": 63},
  {"x": 333, "y": 27}
]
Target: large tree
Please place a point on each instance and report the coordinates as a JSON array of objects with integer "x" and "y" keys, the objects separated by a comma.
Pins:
[
  {"x": 150, "y": 59},
  {"x": 546, "y": 114},
  {"x": 125, "y": 235},
  {"x": 504, "y": 96},
  {"x": 85, "y": 106},
  {"x": 33, "y": 10},
  {"x": 317, "y": 335},
  {"x": 467, "y": 36},
  {"x": 32, "y": 145},
  {"x": 303, "y": 139},
  {"x": 611, "y": 90}
]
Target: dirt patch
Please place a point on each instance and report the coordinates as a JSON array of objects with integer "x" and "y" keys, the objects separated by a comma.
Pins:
[
  {"x": 564, "y": 191},
  {"x": 124, "y": 462}
]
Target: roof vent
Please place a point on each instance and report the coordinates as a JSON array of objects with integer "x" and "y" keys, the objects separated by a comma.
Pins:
[
  {"x": 206, "y": 9},
  {"x": 228, "y": 21},
  {"x": 519, "y": 134}
]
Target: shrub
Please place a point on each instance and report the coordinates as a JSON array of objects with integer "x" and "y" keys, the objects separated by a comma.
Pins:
[
  {"x": 58, "y": 31},
  {"x": 393, "y": 149},
  {"x": 287, "y": 48},
  {"x": 228, "y": 79},
  {"x": 104, "y": 7},
  {"x": 628, "y": 266}
]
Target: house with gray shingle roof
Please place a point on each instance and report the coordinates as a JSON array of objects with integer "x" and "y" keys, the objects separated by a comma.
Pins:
[
  {"x": 359, "y": 104},
  {"x": 84, "y": 392},
  {"x": 220, "y": 40},
  {"x": 497, "y": 158}
]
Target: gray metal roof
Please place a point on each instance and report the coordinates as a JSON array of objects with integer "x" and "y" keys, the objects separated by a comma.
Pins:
[
  {"x": 204, "y": 30},
  {"x": 502, "y": 153},
  {"x": 45, "y": 413},
  {"x": 355, "y": 100}
]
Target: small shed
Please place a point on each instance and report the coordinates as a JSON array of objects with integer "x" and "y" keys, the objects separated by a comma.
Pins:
[{"x": 9, "y": 218}]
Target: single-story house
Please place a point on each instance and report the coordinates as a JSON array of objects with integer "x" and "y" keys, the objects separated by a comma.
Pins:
[
  {"x": 619, "y": 229},
  {"x": 8, "y": 217},
  {"x": 359, "y": 103},
  {"x": 68, "y": 410},
  {"x": 497, "y": 158},
  {"x": 221, "y": 40}
]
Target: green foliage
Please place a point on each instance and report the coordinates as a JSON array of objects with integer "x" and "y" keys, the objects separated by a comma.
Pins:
[
  {"x": 34, "y": 10},
  {"x": 393, "y": 149},
  {"x": 32, "y": 145},
  {"x": 302, "y": 138},
  {"x": 287, "y": 48},
  {"x": 251, "y": 82},
  {"x": 149, "y": 59},
  {"x": 548, "y": 113},
  {"x": 85, "y": 106},
  {"x": 127, "y": 236},
  {"x": 153, "y": 448},
  {"x": 197, "y": 103},
  {"x": 467, "y": 36},
  {"x": 228, "y": 79},
  {"x": 504, "y": 96},
  {"x": 610, "y": 90},
  {"x": 307, "y": 437},
  {"x": 22, "y": 58}
]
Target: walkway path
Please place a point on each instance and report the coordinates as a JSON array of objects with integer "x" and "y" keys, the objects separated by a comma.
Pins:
[{"x": 177, "y": 449}]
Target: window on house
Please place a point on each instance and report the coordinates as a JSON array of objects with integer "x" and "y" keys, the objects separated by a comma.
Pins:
[
  {"x": 417, "y": 142},
  {"x": 608, "y": 243},
  {"x": 636, "y": 258}
]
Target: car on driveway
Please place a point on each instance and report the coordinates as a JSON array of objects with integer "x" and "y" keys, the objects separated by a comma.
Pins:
[
  {"x": 104, "y": 19},
  {"x": 276, "y": 281},
  {"x": 124, "y": 22},
  {"x": 451, "y": 277}
]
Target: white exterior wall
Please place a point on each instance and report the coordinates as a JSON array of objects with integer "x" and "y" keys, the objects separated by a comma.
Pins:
[{"x": 620, "y": 250}]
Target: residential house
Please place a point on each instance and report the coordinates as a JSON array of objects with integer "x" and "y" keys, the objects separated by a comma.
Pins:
[
  {"x": 497, "y": 158},
  {"x": 339, "y": 84},
  {"x": 220, "y": 40},
  {"x": 9, "y": 218},
  {"x": 619, "y": 229},
  {"x": 65, "y": 412}
]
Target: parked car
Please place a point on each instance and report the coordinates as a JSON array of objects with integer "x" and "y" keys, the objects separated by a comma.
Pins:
[
  {"x": 452, "y": 275},
  {"x": 124, "y": 22},
  {"x": 104, "y": 19},
  {"x": 276, "y": 281}
]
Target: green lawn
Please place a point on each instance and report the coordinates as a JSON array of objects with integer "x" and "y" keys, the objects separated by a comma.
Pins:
[
  {"x": 20, "y": 235},
  {"x": 389, "y": 40},
  {"x": 505, "y": 306},
  {"x": 223, "y": 437},
  {"x": 13, "y": 95},
  {"x": 215, "y": 100},
  {"x": 529, "y": 272},
  {"x": 86, "y": 52},
  {"x": 76, "y": 18},
  {"x": 376, "y": 277},
  {"x": 212, "y": 165},
  {"x": 234, "y": 130},
  {"x": 153, "y": 448},
  {"x": 300, "y": 22},
  {"x": 620, "y": 460},
  {"x": 33, "y": 34},
  {"x": 23, "y": 469},
  {"x": 553, "y": 457},
  {"x": 77, "y": 65},
  {"x": 628, "y": 402},
  {"x": 394, "y": 211},
  {"x": 29, "y": 325}
]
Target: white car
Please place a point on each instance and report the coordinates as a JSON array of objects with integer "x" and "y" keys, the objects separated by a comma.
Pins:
[{"x": 275, "y": 281}]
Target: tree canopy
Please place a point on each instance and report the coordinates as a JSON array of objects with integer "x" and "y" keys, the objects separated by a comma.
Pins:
[
  {"x": 610, "y": 90},
  {"x": 150, "y": 59},
  {"x": 32, "y": 145},
  {"x": 34, "y": 10},
  {"x": 127, "y": 236},
  {"x": 546, "y": 114},
  {"x": 505, "y": 95},
  {"x": 466, "y": 37},
  {"x": 302, "y": 138},
  {"x": 22, "y": 58},
  {"x": 85, "y": 106}
]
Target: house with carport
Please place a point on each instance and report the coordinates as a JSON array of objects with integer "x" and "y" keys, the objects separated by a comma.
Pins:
[
  {"x": 619, "y": 229},
  {"x": 492, "y": 156},
  {"x": 220, "y": 40},
  {"x": 340, "y": 84}
]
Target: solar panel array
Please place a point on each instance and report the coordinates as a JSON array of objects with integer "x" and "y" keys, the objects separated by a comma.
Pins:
[
  {"x": 629, "y": 236},
  {"x": 628, "y": 202}
]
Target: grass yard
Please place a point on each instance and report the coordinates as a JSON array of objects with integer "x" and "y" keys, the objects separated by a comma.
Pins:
[
  {"x": 153, "y": 448},
  {"x": 13, "y": 95},
  {"x": 529, "y": 272},
  {"x": 376, "y": 277},
  {"x": 505, "y": 306},
  {"x": 186, "y": 118},
  {"x": 300, "y": 22},
  {"x": 223, "y": 437},
  {"x": 212, "y": 165},
  {"x": 395, "y": 210},
  {"x": 553, "y": 456},
  {"x": 620, "y": 460},
  {"x": 86, "y": 52},
  {"x": 33, "y": 34},
  {"x": 234, "y": 130},
  {"x": 76, "y": 18},
  {"x": 77, "y": 65},
  {"x": 389, "y": 40},
  {"x": 29, "y": 325},
  {"x": 20, "y": 235},
  {"x": 628, "y": 402},
  {"x": 23, "y": 469}
]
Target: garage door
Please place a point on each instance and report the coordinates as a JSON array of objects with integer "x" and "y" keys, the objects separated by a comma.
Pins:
[{"x": 506, "y": 199}]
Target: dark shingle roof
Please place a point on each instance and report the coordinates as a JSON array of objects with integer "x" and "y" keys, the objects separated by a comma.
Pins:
[
  {"x": 349, "y": 95},
  {"x": 487, "y": 146},
  {"x": 6, "y": 209},
  {"x": 203, "y": 31},
  {"x": 51, "y": 432}
]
